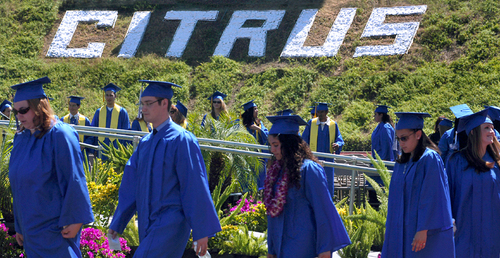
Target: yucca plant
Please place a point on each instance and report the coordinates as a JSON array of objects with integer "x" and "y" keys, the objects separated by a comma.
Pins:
[
  {"x": 244, "y": 242},
  {"x": 226, "y": 165},
  {"x": 118, "y": 156},
  {"x": 5, "y": 190}
]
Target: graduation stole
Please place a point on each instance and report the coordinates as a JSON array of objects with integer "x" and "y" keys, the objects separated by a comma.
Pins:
[
  {"x": 81, "y": 121},
  {"x": 114, "y": 118},
  {"x": 184, "y": 124},
  {"x": 313, "y": 141},
  {"x": 144, "y": 126},
  {"x": 257, "y": 132}
]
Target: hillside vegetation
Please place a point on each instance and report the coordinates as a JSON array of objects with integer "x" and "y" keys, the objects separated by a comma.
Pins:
[{"x": 454, "y": 59}]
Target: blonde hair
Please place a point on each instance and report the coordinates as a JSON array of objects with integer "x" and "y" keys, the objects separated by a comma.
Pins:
[{"x": 223, "y": 109}]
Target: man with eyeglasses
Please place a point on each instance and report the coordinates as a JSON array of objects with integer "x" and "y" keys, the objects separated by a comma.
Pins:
[
  {"x": 115, "y": 117},
  {"x": 165, "y": 181}
]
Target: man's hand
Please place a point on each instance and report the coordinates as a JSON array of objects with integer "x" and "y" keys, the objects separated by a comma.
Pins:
[
  {"x": 71, "y": 230},
  {"x": 19, "y": 239},
  {"x": 335, "y": 146}
]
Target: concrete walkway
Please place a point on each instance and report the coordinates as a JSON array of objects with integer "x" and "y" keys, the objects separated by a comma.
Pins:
[{"x": 370, "y": 255}]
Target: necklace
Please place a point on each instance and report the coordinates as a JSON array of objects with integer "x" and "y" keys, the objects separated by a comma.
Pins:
[{"x": 274, "y": 206}]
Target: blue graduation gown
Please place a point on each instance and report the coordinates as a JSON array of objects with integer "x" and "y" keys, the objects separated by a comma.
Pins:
[
  {"x": 49, "y": 190},
  {"x": 446, "y": 144},
  {"x": 262, "y": 139},
  {"x": 309, "y": 223},
  {"x": 475, "y": 202},
  {"x": 382, "y": 140},
  {"x": 123, "y": 123},
  {"x": 74, "y": 121},
  {"x": 137, "y": 127},
  {"x": 419, "y": 200},
  {"x": 166, "y": 183},
  {"x": 324, "y": 146}
]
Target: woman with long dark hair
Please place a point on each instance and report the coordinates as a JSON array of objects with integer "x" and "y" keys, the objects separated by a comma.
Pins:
[
  {"x": 302, "y": 219},
  {"x": 383, "y": 135},
  {"x": 51, "y": 200},
  {"x": 474, "y": 178},
  {"x": 419, "y": 220},
  {"x": 257, "y": 129}
]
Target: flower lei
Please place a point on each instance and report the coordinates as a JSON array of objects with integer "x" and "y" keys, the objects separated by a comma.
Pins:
[{"x": 274, "y": 206}]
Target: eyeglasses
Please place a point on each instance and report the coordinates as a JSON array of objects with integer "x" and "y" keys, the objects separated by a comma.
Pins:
[
  {"x": 21, "y": 111},
  {"x": 404, "y": 138},
  {"x": 149, "y": 104},
  {"x": 217, "y": 102}
]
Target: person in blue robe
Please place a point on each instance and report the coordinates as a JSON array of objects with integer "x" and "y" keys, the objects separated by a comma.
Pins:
[
  {"x": 123, "y": 121},
  {"x": 323, "y": 142},
  {"x": 257, "y": 129},
  {"x": 302, "y": 220},
  {"x": 473, "y": 174},
  {"x": 419, "y": 222},
  {"x": 179, "y": 114},
  {"x": 217, "y": 105},
  {"x": 165, "y": 182},
  {"x": 450, "y": 141},
  {"x": 5, "y": 109},
  {"x": 136, "y": 126},
  {"x": 383, "y": 135},
  {"x": 75, "y": 118},
  {"x": 50, "y": 195}
]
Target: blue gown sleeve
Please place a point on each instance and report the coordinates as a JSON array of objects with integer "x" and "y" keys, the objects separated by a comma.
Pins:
[
  {"x": 196, "y": 200},
  {"x": 307, "y": 131},
  {"x": 263, "y": 135},
  {"x": 443, "y": 145},
  {"x": 383, "y": 143},
  {"x": 124, "y": 120},
  {"x": 126, "y": 207},
  {"x": 76, "y": 207},
  {"x": 338, "y": 139},
  {"x": 434, "y": 210},
  {"x": 203, "y": 120},
  {"x": 331, "y": 234},
  {"x": 95, "y": 123}
]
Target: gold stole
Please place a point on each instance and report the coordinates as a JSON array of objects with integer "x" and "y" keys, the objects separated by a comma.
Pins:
[
  {"x": 114, "y": 118},
  {"x": 184, "y": 124},
  {"x": 313, "y": 140},
  {"x": 143, "y": 125},
  {"x": 81, "y": 121}
]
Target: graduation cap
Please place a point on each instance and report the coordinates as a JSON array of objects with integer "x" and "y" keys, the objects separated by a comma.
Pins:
[
  {"x": 469, "y": 122},
  {"x": 493, "y": 112},
  {"x": 75, "y": 99},
  {"x": 382, "y": 109},
  {"x": 183, "y": 109},
  {"x": 286, "y": 124},
  {"x": 159, "y": 89},
  {"x": 30, "y": 90},
  {"x": 322, "y": 106},
  {"x": 248, "y": 105},
  {"x": 410, "y": 120},
  {"x": 5, "y": 104},
  {"x": 286, "y": 112},
  {"x": 446, "y": 122},
  {"x": 217, "y": 95},
  {"x": 461, "y": 110},
  {"x": 111, "y": 87}
]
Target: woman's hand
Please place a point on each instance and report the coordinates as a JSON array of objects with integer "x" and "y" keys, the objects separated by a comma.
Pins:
[
  {"x": 271, "y": 256},
  {"x": 326, "y": 254},
  {"x": 19, "y": 239},
  {"x": 71, "y": 230},
  {"x": 113, "y": 233},
  {"x": 201, "y": 248},
  {"x": 419, "y": 241}
]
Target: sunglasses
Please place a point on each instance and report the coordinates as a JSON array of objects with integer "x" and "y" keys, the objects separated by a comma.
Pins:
[
  {"x": 404, "y": 138},
  {"x": 217, "y": 102},
  {"x": 21, "y": 111}
]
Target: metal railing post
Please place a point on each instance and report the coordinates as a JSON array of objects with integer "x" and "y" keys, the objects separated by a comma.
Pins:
[{"x": 351, "y": 198}]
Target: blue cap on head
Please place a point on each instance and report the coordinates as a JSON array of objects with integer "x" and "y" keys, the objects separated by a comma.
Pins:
[
  {"x": 410, "y": 120},
  {"x": 286, "y": 124},
  {"x": 467, "y": 123},
  {"x": 446, "y": 122},
  {"x": 493, "y": 112},
  {"x": 159, "y": 89},
  {"x": 249, "y": 105},
  {"x": 313, "y": 110},
  {"x": 217, "y": 95},
  {"x": 461, "y": 110},
  {"x": 286, "y": 112},
  {"x": 183, "y": 109},
  {"x": 382, "y": 109},
  {"x": 111, "y": 87},
  {"x": 30, "y": 90},
  {"x": 322, "y": 106},
  {"x": 75, "y": 99},
  {"x": 5, "y": 104},
  {"x": 50, "y": 99}
]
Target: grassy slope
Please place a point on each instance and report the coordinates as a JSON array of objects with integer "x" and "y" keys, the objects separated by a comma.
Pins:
[{"x": 454, "y": 59}]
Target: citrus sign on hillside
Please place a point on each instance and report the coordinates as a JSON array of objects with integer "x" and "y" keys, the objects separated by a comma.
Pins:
[{"x": 375, "y": 27}]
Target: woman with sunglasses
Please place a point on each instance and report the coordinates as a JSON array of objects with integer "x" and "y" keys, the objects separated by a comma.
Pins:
[
  {"x": 302, "y": 219},
  {"x": 218, "y": 106},
  {"x": 474, "y": 178},
  {"x": 51, "y": 200},
  {"x": 178, "y": 113},
  {"x": 419, "y": 220}
]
